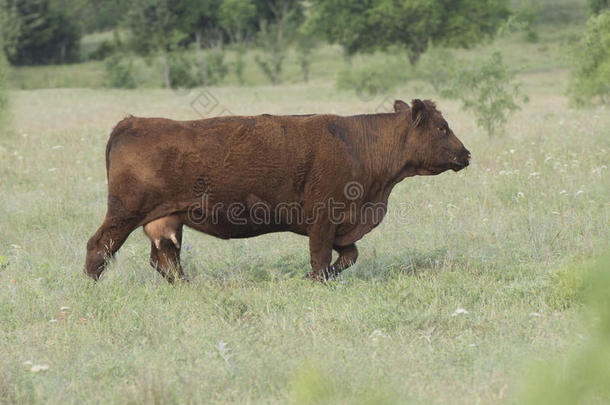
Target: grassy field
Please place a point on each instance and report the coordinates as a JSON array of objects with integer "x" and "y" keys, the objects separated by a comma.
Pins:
[{"x": 504, "y": 240}]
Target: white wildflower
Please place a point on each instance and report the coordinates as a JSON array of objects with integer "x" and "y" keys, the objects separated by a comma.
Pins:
[
  {"x": 535, "y": 314},
  {"x": 224, "y": 351},
  {"x": 377, "y": 335},
  {"x": 39, "y": 367},
  {"x": 459, "y": 311}
]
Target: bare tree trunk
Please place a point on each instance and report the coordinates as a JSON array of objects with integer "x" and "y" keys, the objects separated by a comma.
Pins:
[
  {"x": 62, "y": 53},
  {"x": 201, "y": 56},
  {"x": 279, "y": 45},
  {"x": 166, "y": 79}
]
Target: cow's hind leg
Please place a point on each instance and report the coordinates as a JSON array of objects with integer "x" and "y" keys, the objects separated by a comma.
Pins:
[
  {"x": 347, "y": 256},
  {"x": 166, "y": 259},
  {"x": 106, "y": 241}
]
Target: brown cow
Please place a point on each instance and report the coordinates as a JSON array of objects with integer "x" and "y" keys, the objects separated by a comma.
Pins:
[{"x": 324, "y": 176}]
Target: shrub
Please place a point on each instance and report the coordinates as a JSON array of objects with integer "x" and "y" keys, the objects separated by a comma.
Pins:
[
  {"x": 107, "y": 48},
  {"x": 275, "y": 47},
  {"x": 239, "y": 64},
  {"x": 487, "y": 89},
  {"x": 119, "y": 70},
  {"x": 216, "y": 67},
  {"x": 306, "y": 42},
  {"x": 590, "y": 80},
  {"x": 3, "y": 86},
  {"x": 525, "y": 19},
  {"x": 580, "y": 374},
  {"x": 182, "y": 70},
  {"x": 436, "y": 67},
  {"x": 372, "y": 80}
]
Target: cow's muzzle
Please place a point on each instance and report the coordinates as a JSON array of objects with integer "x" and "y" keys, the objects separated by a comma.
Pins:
[{"x": 460, "y": 162}]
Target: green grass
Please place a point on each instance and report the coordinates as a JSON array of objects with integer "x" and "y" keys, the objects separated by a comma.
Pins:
[{"x": 491, "y": 239}]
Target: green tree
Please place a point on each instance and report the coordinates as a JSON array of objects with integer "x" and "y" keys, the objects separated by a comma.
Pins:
[
  {"x": 276, "y": 34},
  {"x": 412, "y": 24},
  {"x": 155, "y": 30},
  {"x": 237, "y": 18},
  {"x": 306, "y": 41},
  {"x": 590, "y": 79},
  {"x": 152, "y": 25},
  {"x": 10, "y": 27},
  {"x": 342, "y": 21},
  {"x": 437, "y": 67},
  {"x": 101, "y": 15},
  {"x": 597, "y": 6},
  {"x": 199, "y": 19},
  {"x": 488, "y": 90},
  {"x": 48, "y": 32}
]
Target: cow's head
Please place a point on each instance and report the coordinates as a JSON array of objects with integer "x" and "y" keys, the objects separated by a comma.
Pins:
[{"x": 431, "y": 145}]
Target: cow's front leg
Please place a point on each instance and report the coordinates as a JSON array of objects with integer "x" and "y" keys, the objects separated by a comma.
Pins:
[
  {"x": 106, "y": 242},
  {"x": 347, "y": 256},
  {"x": 321, "y": 238},
  {"x": 166, "y": 258}
]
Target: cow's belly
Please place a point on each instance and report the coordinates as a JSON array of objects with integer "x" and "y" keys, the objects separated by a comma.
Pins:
[{"x": 232, "y": 227}]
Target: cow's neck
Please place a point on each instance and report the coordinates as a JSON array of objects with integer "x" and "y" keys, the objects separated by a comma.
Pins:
[{"x": 381, "y": 149}]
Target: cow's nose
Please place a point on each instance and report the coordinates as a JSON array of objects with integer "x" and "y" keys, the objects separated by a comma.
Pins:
[{"x": 467, "y": 153}]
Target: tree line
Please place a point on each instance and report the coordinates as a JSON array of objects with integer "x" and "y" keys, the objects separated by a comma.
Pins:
[
  {"x": 35, "y": 32},
  {"x": 49, "y": 31}
]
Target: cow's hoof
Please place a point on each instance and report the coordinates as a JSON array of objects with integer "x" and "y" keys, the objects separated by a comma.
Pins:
[{"x": 319, "y": 277}]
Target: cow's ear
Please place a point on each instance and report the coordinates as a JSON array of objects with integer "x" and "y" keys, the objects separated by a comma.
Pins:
[
  {"x": 419, "y": 113},
  {"x": 400, "y": 105}
]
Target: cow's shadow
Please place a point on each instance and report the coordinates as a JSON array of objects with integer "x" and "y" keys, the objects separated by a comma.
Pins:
[{"x": 296, "y": 265}]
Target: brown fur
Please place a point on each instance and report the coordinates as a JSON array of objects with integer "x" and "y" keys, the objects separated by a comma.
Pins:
[{"x": 194, "y": 171}]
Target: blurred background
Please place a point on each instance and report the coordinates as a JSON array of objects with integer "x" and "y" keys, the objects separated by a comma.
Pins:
[{"x": 370, "y": 46}]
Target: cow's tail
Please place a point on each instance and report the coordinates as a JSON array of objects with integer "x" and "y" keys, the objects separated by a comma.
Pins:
[{"x": 123, "y": 126}]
